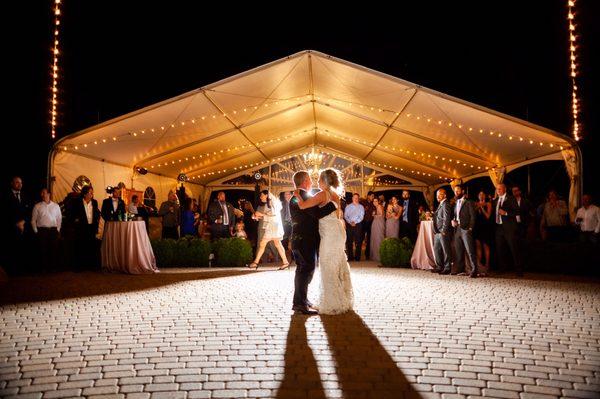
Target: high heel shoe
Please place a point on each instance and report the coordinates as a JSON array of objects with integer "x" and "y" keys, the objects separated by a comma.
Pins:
[
  {"x": 253, "y": 266},
  {"x": 284, "y": 266}
]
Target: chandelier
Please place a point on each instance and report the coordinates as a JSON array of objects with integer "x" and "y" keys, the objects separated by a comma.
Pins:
[{"x": 313, "y": 161}]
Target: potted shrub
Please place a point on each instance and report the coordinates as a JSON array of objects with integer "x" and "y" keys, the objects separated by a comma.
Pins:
[
  {"x": 395, "y": 252},
  {"x": 234, "y": 252}
]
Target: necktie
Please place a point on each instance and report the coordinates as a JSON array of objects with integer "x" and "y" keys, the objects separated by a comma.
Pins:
[
  {"x": 18, "y": 194},
  {"x": 458, "y": 204},
  {"x": 498, "y": 217},
  {"x": 225, "y": 215}
]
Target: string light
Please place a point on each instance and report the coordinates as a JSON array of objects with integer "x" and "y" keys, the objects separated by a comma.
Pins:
[
  {"x": 192, "y": 120},
  {"x": 573, "y": 66},
  {"x": 54, "y": 69}
]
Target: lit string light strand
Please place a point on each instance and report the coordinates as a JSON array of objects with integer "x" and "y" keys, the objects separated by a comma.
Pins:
[
  {"x": 54, "y": 68},
  {"x": 573, "y": 66}
]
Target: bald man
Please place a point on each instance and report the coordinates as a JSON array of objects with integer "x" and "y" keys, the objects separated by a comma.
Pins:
[{"x": 504, "y": 213}]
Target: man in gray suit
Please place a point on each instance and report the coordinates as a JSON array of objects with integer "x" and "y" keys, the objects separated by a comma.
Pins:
[
  {"x": 442, "y": 226},
  {"x": 463, "y": 222}
]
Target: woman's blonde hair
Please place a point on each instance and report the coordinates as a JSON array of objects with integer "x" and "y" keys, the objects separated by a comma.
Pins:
[{"x": 332, "y": 178}]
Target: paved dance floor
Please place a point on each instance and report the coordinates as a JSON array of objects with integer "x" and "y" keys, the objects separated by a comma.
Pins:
[{"x": 229, "y": 333}]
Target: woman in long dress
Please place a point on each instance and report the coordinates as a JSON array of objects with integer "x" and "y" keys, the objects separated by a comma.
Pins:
[
  {"x": 377, "y": 229},
  {"x": 392, "y": 216},
  {"x": 272, "y": 228},
  {"x": 336, "y": 284}
]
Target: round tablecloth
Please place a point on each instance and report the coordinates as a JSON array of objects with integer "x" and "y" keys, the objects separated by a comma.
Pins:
[
  {"x": 126, "y": 248},
  {"x": 423, "y": 255}
]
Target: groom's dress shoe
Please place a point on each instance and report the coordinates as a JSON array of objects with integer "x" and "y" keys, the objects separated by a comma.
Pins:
[{"x": 304, "y": 310}]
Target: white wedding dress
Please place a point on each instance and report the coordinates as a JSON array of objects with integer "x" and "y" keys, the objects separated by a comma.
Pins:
[{"x": 336, "y": 285}]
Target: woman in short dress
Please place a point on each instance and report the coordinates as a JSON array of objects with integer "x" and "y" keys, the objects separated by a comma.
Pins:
[
  {"x": 392, "y": 215},
  {"x": 377, "y": 229},
  {"x": 482, "y": 231},
  {"x": 270, "y": 213}
]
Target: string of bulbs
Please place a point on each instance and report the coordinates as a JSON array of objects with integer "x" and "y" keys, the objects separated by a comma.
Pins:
[
  {"x": 54, "y": 69},
  {"x": 573, "y": 65}
]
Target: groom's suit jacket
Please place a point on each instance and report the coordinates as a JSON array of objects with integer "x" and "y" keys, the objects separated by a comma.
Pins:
[{"x": 305, "y": 223}]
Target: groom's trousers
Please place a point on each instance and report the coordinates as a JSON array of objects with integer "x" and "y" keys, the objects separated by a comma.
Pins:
[{"x": 305, "y": 258}]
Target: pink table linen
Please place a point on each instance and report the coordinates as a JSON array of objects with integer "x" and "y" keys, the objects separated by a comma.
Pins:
[
  {"x": 126, "y": 248},
  {"x": 423, "y": 255}
]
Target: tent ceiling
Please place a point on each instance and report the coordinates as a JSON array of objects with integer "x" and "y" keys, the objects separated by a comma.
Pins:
[{"x": 311, "y": 100}]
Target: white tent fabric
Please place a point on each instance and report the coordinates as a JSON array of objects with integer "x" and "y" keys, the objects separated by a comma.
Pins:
[{"x": 306, "y": 101}]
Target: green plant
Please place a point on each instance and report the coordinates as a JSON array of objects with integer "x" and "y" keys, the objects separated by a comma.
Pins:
[
  {"x": 395, "y": 252},
  {"x": 199, "y": 252},
  {"x": 185, "y": 252},
  {"x": 233, "y": 252},
  {"x": 163, "y": 251}
]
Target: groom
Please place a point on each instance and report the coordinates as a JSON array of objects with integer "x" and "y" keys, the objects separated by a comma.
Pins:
[{"x": 305, "y": 241}]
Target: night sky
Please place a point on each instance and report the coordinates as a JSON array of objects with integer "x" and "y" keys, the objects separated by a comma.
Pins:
[{"x": 116, "y": 58}]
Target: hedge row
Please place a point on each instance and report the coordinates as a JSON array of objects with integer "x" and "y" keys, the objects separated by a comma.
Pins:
[
  {"x": 395, "y": 252},
  {"x": 194, "y": 252}
]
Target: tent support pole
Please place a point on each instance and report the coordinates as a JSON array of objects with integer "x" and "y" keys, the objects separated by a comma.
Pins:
[{"x": 362, "y": 179}]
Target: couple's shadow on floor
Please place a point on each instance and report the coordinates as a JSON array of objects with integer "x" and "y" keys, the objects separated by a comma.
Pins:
[{"x": 361, "y": 368}]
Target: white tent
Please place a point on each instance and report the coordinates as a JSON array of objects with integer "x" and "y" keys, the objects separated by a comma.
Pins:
[{"x": 308, "y": 110}]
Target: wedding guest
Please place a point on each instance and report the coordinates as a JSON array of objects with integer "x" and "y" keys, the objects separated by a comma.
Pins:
[
  {"x": 588, "y": 220},
  {"x": 554, "y": 218},
  {"x": 382, "y": 201},
  {"x": 367, "y": 203},
  {"x": 169, "y": 210},
  {"x": 86, "y": 220},
  {"x": 250, "y": 223},
  {"x": 17, "y": 217},
  {"x": 354, "y": 215},
  {"x": 133, "y": 205},
  {"x": 46, "y": 220},
  {"x": 239, "y": 230},
  {"x": 410, "y": 217},
  {"x": 392, "y": 218},
  {"x": 525, "y": 214},
  {"x": 270, "y": 213},
  {"x": 221, "y": 217},
  {"x": 377, "y": 229},
  {"x": 113, "y": 208},
  {"x": 463, "y": 223},
  {"x": 188, "y": 220},
  {"x": 442, "y": 227},
  {"x": 482, "y": 232},
  {"x": 286, "y": 218},
  {"x": 505, "y": 210}
]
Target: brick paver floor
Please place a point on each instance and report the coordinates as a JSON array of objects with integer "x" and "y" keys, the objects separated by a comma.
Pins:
[{"x": 207, "y": 334}]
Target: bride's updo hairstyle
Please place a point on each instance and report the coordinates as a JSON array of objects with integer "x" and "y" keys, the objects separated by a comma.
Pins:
[{"x": 332, "y": 179}]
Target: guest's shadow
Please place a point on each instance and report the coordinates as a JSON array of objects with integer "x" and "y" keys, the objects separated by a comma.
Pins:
[{"x": 363, "y": 367}]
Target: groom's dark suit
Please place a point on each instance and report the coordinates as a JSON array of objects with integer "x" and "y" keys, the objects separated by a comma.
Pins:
[{"x": 305, "y": 243}]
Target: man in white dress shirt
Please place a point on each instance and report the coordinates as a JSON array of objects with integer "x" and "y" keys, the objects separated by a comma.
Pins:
[
  {"x": 588, "y": 220},
  {"x": 46, "y": 220}
]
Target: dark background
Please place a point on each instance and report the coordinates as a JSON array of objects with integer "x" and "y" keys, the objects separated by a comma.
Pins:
[{"x": 511, "y": 56}]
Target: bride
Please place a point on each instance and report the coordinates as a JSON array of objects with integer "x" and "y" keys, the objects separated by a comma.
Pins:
[{"x": 336, "y": 286}]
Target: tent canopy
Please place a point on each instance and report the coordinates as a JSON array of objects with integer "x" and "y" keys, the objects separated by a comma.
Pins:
[{"x": 311, "y": 102}]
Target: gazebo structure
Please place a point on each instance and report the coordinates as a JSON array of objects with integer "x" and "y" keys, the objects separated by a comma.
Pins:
[{"x": 307, "y": 111}]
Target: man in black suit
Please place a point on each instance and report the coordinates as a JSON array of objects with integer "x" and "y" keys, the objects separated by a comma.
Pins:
[
  {"x": 17, "y": 227},
  {"x": 463, "y": 222},
  {"x": 85, "y": 219},
  {"x": 525, "y": 213},
  {"x": 505, "y": 210},
  {"x": 113, "y": 207},
  {"x": 221, "y": 217},
  {"x": 305, "y": 241},
  {"x": 410, "y": 217},
  {"x": 442, "y": 226}
]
